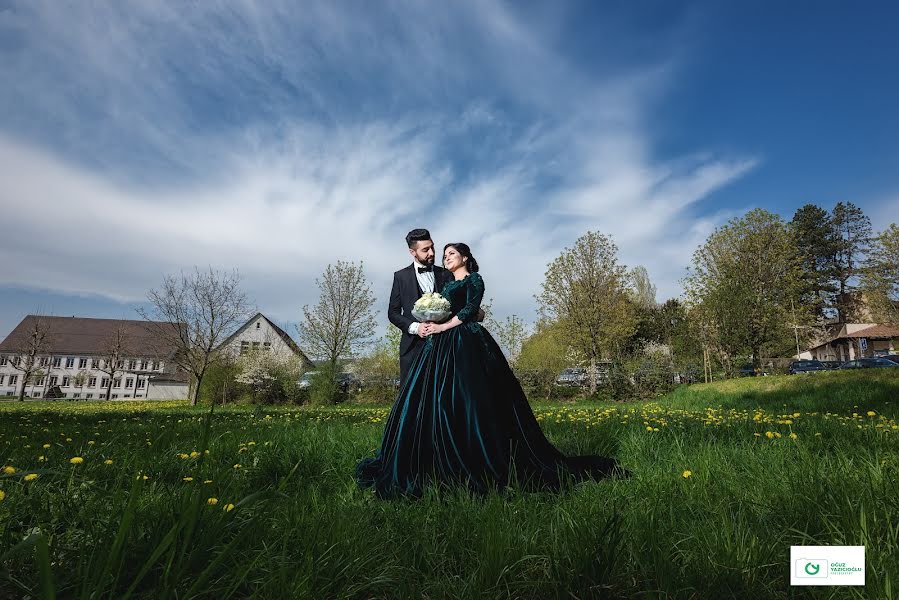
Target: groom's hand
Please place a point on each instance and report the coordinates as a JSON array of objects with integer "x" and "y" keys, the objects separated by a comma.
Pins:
[{"x": 424, "y": 330}]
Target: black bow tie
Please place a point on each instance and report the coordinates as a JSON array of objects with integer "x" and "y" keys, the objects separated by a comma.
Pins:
[{"x": 425, "y": 269}]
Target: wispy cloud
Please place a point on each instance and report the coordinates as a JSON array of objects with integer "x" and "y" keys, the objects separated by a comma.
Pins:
[{"x": 142, "y": 139}]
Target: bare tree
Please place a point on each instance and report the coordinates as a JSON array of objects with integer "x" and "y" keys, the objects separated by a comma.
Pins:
[
  {"x": 27, "y": 347},
  {"x": 510, "y": 334},
  {"x": 193, "y": 315},
  {"x": 113, "y": 350},
  {"x": 342, "y": 322}
]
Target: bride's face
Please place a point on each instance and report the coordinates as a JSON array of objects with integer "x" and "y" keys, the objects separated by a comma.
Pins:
[{"x": 452, "y": 260}]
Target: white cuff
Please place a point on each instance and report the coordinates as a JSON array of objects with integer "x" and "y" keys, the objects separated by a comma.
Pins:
[{"x": 413, "y": 328}]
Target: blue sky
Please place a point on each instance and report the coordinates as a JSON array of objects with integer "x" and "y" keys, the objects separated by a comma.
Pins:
[{"x": 139, "y": 139}]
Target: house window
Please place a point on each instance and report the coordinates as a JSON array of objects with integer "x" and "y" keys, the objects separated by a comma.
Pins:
[
  {"x": 255, "y": 345},
  {"x": 257, "y": 324},
  {"x": 2, "y": 377},
  {"x": 40, "y": 381},
  {"x": 82, "y": 363},
  {"x": 156, "y": 365},
  {"x": 143, "y": 365},
  {"x": 43, "y": 361},
  {"x": 104, "y": 383},
  {"x": 89, "y": 396},
  {"x": 53, "y": 380},
  {"x": 17, "y": 361},
  {"x": 244, "y": 347},
  {"x": 266, "y": 345},
  {"x": 92, "y": 382},
  {"x": 13, "y": 379},
  {"x": 3, "y": 360},
  {"x": 36, "y": 395},
  {"x": 129, "y": 382},
  {"x": 76, "y": 395},
  {"x": 57, "y": 361},
  {"x": 117, "y": 382},
  {"x": 65, "y": 382},
  {"x": 132, "y": 364},
  {"x": 95, "y": 363},
  {"x": 120, "y": 364},
  {"x": 127, "y": 395},
  {"x": 114, "y": 396},
  {"x": 70, "y": 362},
  {"x": 140, "y": 383}
]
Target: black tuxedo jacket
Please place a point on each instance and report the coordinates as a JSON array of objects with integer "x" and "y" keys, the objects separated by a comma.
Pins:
[{"x": 404, "y": 294}]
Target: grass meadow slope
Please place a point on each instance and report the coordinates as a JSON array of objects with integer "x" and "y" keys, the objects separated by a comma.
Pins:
[{"x": 161, "y": 500}]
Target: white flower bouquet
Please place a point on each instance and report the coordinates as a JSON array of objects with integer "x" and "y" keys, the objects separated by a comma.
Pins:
[{"x": 432, "y": 307}]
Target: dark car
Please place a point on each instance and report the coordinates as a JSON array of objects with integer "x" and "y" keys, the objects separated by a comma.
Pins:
[
  {"x": 805, "y": 366},
  {"x": 830, "y": 365},
  {"x": 572, "y": 377},
  {"x": 346, "y": 381},
  {"x": 868, "y": 363},
  {"x": 748, "y": 370},
  {"x": 892, "y": 357}
]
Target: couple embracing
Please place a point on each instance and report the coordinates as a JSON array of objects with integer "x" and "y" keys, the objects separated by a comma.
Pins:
[{"x": 461, "y": 416}]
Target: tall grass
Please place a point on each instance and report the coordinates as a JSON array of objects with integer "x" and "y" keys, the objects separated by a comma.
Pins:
[{"x": 301, "y": 528}]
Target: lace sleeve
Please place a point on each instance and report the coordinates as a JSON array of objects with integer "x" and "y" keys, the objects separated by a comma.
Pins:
[{"x": 474, "y": 295}]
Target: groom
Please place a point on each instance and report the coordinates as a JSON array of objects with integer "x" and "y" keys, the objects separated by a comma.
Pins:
[{"x": 410, "y": 284}]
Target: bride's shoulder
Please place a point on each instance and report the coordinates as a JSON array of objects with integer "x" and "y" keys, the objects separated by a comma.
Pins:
[{"x": 475, "y": 278}]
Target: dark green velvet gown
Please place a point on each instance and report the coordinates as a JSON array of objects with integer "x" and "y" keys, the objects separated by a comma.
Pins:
[{"x": 461, "y": 417}]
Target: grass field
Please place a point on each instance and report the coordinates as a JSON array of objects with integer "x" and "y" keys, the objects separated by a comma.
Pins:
[{"x": 161, "y": 500}]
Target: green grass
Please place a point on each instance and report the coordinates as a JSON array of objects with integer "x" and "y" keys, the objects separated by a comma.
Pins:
[{"x": 300, "y": 528}]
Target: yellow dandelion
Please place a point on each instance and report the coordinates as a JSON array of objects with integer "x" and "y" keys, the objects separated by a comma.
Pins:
[
  {"x": 41, "y": 458},
  {"x": 2, "y": 495},
  {"x": 9, "y": 470},
  {"x": 757, "y": 434},
  {"x": 187, "y": 479},
  {"x": 228, "y": 507},
  {"x": 238, "y": 466},
  {"x": 648, "y": 428},
  {"x": 769, "y": 434},
  {"x": 31, "y": 477},
  {"x": 793, "y": 436},
  {"x": 68, "y": 439},
  {"x": 45, "y": 446},
  {"x": 108, "y": 461},
  {"x": 76, "y": 460},
  {"x": 777, "y": 434},
  {"x": 207, "y": 481},
  {"x": 212, "y": 501},
  {"x": 194, "y": 454},
  {"x": 871, "y": 413},
  {"x": 687, "y": 474}
]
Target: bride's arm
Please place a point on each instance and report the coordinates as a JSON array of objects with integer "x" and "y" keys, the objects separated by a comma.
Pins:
[{"x": 470, "y": 311}]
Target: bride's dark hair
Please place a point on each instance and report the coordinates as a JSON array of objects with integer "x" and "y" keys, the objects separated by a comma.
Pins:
[{"x": 465, "y": 252}]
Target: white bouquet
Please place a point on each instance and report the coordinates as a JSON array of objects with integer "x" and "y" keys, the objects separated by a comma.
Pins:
[{"x": 432, "y": 307}]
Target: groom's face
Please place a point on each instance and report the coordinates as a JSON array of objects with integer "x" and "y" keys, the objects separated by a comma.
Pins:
[{"x": 423, "y": 252}]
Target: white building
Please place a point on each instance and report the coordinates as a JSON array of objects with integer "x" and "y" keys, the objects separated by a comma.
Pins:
[
  {"x": 855, "y": 340},
  {"x": 74, "y": 359},
  {"x": 259, "y": 333}
]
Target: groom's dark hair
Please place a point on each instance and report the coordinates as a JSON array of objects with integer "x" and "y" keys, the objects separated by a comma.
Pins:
[{"x": 417, "y": 235}]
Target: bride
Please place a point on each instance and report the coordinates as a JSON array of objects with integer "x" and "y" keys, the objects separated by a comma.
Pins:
[{"x": 461, "y": 415}]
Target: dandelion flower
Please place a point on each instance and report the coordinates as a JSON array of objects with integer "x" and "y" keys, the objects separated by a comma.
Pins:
[
  {"x": 108, "y": 461},
  {"x": 76, "y": 460},
  {"x": 45, "y": 446},
  {"x": 9, "y": 470},
  {"x": 871, "y": 413},
  {"x": 793, "y": 436},
  {"x": 207, "y": 481},
  {"x": 187, "y": 478},
  {"x": 238, "y": 466},
  {"x": 228, "y": 507},
  {"x": 687, "y": 474},
  {"x": 2, "y": 495},
  {"x": 212, "y": 501},
  {"x": 31, "y": 477},
  {"x": 769, "y": 434}
]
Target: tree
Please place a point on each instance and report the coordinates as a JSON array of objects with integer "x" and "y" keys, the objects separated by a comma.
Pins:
[
  {"x": 35, "y": 341},
  {"x": 543, "y": 356},
  {"x": 742, "y": 283},
  {"x": 267, "y": 374},
  {"x": 815, "y": 241},
  {"x": 880, "y": 276},
  {"x": 193, "y": 315},
  {"x": 113, "y": 351},
  {"x": 80, "y": 379},
  {"x": 585, "y": 291},
  {"x": 380, "y": 368},
  {"x": 510, "y": 334},
  {"x": 342, "y": 322},
  {"x": 643, "y": 292},
  {"x": 852, "y": 231}
]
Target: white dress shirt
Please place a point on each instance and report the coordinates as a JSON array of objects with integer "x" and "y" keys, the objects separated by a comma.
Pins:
[{"x": 426, "y": 283}]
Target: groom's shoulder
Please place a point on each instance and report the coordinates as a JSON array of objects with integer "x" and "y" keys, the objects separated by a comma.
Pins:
[{"x": 406, "y": 269}]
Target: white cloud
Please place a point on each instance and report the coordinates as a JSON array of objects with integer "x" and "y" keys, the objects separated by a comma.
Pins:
[{"x": 306, "y": 175}]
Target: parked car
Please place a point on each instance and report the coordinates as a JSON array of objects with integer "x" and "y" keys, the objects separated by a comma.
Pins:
[
  {"x": 868, "y": 363},
  {"x": 805, "y": 366},
  {"x": 892, "y": 357},
  {"x": 346, "y": 381},
  {"x": 572, "y": 377},
  {"x": 831, "y": 365},
  {"x": 748, "y": 370}
]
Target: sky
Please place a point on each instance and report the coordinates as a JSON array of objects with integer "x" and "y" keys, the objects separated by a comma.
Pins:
[{"x": 142, "y": 139}]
